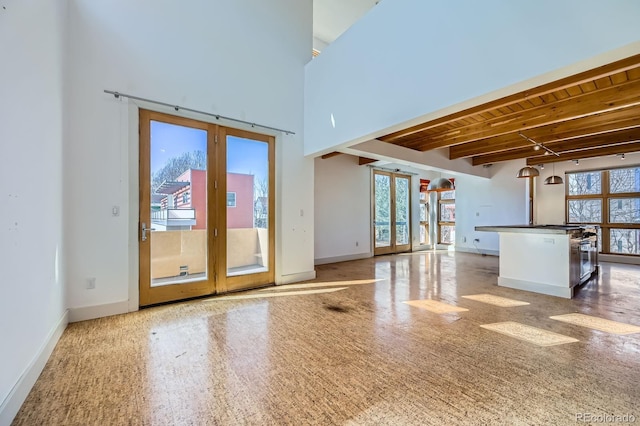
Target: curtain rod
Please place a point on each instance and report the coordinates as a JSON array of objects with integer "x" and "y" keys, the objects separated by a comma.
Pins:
[{"x": 216, "y": 116}]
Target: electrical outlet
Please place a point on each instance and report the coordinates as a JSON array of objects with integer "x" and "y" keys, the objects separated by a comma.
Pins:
[
  {"x": 464, "y": 239},
  {"x": 91, "y": 283},
  {"x": 357, "y": 243}
]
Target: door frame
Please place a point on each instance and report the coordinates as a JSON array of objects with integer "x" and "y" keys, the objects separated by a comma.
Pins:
[
  {"x": 392, "y": 247},
  {"x": 247, "y": 281},
  {"x": 217, "y": 280},
  {"x": 172, "y": 292}
]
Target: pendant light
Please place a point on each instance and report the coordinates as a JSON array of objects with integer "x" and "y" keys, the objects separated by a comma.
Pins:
[
  {"x": 441, "y": 185},
  {"x": 528, "y": 171},
  {"x": 553, "y": 179}
]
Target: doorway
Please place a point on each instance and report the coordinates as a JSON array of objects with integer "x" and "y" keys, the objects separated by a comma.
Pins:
[
  {"x": 206, "y": 209},
  {"x": 391, "y": 212}
]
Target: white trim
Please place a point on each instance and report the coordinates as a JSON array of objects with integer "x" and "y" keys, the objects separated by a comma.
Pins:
[
  {"x": 131, "y": 142},
  {"x": 294, "y": 278},
  {"x": 98, "y": 311},
  {"x": 536, "y": 287},
  {"x": 614, "y": 258},
  {"x": 12, "y": 403},
  {"x": 345, "y": 258},
  {"x": 478, "y": 251}
]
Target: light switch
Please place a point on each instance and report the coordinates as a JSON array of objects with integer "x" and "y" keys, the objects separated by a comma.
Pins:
[{"x": 115, "y": 211}]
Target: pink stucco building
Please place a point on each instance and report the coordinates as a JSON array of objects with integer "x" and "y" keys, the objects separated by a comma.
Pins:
[{"x": 188, "y": 194}]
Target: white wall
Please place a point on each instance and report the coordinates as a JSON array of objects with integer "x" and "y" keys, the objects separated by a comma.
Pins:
[
  {"x": 32, "y": 309},
  {"x": 343, "y": 207},
  {"x": 502, "y": 200},
  {"x": 238, "y": 58},
  {"x": 407, "y": 61}
]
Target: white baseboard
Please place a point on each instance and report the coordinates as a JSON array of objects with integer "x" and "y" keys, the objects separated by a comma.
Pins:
[
  {"x": 98, "y": 311},
  {"x": 613, "y": 258},
  {"x": 536, "y": 287},
  {"x": 475, "y": 251},
  {"x": 345, "y": 258},
  {"x": 12, "y": 403},
  {"x": 294, "y": 278}
]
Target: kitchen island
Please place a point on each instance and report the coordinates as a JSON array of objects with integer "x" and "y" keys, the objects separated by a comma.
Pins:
[{"x": 548, "y": 259}]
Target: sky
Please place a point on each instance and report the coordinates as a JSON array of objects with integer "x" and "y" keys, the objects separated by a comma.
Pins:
[{"x": 170, "y": 140}]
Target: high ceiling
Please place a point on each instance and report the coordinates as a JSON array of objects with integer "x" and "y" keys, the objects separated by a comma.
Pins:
[
  {"x": 333, "y": 17},
  {"x": 591, "y": 114}
]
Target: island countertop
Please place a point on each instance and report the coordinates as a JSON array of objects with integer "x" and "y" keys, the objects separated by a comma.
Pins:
[
  {"x": 537, "y": 229},
  {"x": 548, "y": 259}
]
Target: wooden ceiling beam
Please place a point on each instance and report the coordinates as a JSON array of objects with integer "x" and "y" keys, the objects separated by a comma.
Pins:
[
  {"x": 622, "y": 148},
  {"x": 523, "y": 96},
  {"x": 626, "y": 119},
  {"x": 364, "y": 160},
  {"x": 622, "y": 118},
  {"x": 331, "y": 154},
  {"x": 593, "y": 103},
  {"x": 488, "y": 146},
  {"x": 584, "y": 143},
  {"x": 514, "y": 154}
]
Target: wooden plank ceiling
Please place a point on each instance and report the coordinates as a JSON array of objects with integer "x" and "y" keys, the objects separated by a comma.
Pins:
[{"x": 591, "y": 114}]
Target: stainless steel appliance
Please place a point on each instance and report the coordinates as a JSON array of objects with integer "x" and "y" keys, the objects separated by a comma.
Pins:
[
  {"x": 588, "y": 252},
  {"x": 583, "y": 258}
]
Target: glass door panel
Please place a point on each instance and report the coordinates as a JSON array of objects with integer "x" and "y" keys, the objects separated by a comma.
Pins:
[
  {"x": 247, "y": 201},
  {"x": 402, "y": 211},
  {"x": 424, "y": 219},
  {"x": 249, "y": 210},
  {"x": 174, "y": 224},
  {"x": 178, "y": 204},
  {"x": 382, "y": 210}
]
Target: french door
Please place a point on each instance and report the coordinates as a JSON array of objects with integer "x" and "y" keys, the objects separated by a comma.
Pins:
[
  {"x": 247, "y": 241},
  {"x": 391, "y": 212},
  {"x": 206, "y": 209}
]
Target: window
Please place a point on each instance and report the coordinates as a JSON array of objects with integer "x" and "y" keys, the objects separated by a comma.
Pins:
[
  {"x": 611, "y": 199},
  {"x": 447, "y": 217},
  {"x": 624, "y": 210},
  {"x": 231, "y": 199},
  {"x": 424, "y": 218},
  {"x": 185, "y": 197},
  {"x": 588, "y": 183},
  {"x": 585, "y": 211}
]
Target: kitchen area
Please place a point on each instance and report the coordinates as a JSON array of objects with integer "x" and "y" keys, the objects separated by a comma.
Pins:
[{"x": 547, "y": 259}]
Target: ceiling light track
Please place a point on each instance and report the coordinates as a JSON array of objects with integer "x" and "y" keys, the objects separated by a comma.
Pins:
[{"x": 538, "y": 145}]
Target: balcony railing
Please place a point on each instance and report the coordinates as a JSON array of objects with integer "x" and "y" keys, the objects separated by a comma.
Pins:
[{"x": 174, "y": 217}]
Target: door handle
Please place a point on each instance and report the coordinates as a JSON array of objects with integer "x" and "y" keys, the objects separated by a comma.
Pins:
[{"x": 144, "y": 231}]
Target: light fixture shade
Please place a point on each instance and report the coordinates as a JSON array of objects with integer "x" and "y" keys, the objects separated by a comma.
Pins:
[
  {"x": 441, "y": 185},
  {"x": 553, "y": 180},
  {"x": 528, "y": 171}
]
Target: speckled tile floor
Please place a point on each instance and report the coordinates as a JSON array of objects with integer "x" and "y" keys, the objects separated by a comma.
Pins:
[{"x": 354, "y": 356}]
